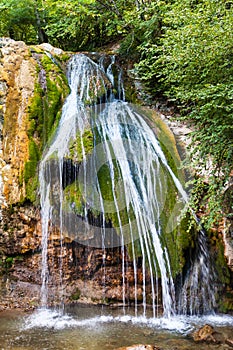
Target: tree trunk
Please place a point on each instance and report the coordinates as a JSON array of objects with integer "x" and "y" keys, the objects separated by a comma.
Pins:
[{"x": 42, "y": 36}]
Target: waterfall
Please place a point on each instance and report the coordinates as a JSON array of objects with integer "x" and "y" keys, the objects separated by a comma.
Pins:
[
  {"x": 74, "y": 119},
  {"x": 121, "y": 176},
  {"x": 197, "y": 293}
]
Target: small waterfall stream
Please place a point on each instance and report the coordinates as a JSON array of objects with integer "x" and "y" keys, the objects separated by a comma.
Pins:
[
  {"x": 122, "y": 179},
  {"x": 197, "y": 294}
]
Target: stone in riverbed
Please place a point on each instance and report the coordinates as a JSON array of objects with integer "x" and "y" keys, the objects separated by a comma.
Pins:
[
  {"x": 229, "y": 342},
  {"x": 207, "y": 334},
  {"x": 140, "y": 347}
]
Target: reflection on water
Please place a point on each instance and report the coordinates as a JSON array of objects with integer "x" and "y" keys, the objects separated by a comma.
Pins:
[{"x": 102, "y": 328}]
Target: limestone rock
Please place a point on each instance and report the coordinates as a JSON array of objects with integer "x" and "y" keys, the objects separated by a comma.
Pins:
[
  {"x": 17, "y": 70},
  {"x": 229, "y": 342},
  {"x": 205, "y": 334},
  {"x": 51, "y": 49}
]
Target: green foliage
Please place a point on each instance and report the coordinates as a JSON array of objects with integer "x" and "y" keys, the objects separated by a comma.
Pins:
[
  {"x": 191, "y": 62},
  {"x": 22, "y": 20},
  {"x": 72, "y": 24}
]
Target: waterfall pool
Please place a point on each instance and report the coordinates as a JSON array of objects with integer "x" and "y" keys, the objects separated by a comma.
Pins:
[{"x": 100, "y": 328}]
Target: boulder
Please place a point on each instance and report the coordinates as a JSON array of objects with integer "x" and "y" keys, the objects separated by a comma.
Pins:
[
  {"x": 229, "y": 342},
  {"x": 206, "y": 334}
]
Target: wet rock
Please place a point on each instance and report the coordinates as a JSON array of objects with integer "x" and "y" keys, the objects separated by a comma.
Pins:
[
  {"x": 51, "y": 49},
  {"x": 205, "y": 334},
  {"x": 20, "y": 252},
  {"x": 140, "y": 347},
  {"x": 229, "y": 342}
]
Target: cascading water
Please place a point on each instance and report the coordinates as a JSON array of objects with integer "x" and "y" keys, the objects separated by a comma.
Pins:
[
  {"x": 122, "y": 179},
  {"x": 197, "y": 294}
]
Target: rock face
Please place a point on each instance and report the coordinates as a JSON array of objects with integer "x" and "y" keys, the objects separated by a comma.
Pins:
[
  {"x": 204, "y": 334},
  {"x": 88, "y": 275},
  {"x": 228, "y": 222},
  {"x": 20, "y": 90},
  {"x": 207, "y": 334},
  {"x": 17, "y": 87}
]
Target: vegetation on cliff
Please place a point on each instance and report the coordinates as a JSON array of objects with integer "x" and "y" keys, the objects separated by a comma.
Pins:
[{"x": 44, "y": 112}]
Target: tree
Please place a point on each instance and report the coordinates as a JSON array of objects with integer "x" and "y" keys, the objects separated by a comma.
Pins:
[
  {"x": 22, "y": 20},
  {"x": 191, "y": 63}
]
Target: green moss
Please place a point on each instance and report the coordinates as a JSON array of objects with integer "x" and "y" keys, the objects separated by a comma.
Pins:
[
  {"x": 105, "y": 181},
  {"x": 36, "y": 112},
  {"x": 9, "y": 261},
  {"x": 119, "y": 216},
  {"x": 29, "y": 175},
  {"x": 226, "y": 303},
  {"x": 176, "y": 233},
  {"x": 81, "y": 144},
  {"x": 63, "y": 57},
  {"x": 76, "y": 295},
  {"x": 73, "y": 200},
  {"x": 44, "y": 112},
  {"x": 6, "y": 264},
  {"x": 220, "y": 263},
  {"x": 45, "y": 107},
  {"x": 131, "y": 92},
  {"x": 36, "y": 49},
  {"x": 31, "y": 190},
  {"x": 31, "y": 164}
]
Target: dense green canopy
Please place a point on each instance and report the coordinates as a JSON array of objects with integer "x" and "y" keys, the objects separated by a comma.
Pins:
[{"x": 183, "y": 49}]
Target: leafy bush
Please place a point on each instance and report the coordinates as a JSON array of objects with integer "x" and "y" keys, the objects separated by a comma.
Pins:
[{"x": 191, "y": 63}]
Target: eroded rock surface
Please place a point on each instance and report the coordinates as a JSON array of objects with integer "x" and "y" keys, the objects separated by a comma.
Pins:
[{"x": 17, "y": 86}]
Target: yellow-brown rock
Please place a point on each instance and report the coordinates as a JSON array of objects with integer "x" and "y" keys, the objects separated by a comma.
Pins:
[
  {"x": 205, "y": 334},
  {"x": 18, "y": 71}
]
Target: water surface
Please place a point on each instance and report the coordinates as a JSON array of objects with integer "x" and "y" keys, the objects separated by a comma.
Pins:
[{"x": 100, "y": 328}]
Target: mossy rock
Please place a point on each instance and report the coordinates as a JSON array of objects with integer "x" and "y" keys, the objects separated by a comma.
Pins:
[
  {"x": 82, "y": 146},
  {"x": 73, "y": 199},
  {"x": 219, "y": 260},
  {"x": 97, "y": 87},
  {"x": 76, "y": 295},
  {"x": 44, "y": 112}
]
